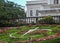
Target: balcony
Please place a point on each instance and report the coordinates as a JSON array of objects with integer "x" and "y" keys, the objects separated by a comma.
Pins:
[
  {"x": 35, "y": 2},
  {"x": 52, "y": 5},
  {"x": 50, "y": 11}
]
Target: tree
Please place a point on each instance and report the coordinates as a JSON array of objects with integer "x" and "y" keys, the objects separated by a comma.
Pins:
[{"x": 9, "y": 12}]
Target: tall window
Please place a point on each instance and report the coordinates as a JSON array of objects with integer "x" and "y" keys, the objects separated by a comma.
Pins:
[
  {"x": 31, "y": 12},
  {"x": 36, "y": 12},
  {"x": 56, "y": 1}
]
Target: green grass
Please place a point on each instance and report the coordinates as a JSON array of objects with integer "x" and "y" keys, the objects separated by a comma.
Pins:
[{"x": 5, "y": 36}]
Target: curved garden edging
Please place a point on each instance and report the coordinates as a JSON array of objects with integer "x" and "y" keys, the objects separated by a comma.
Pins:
[
  {"x": 45, "y": 38},
  {"x": 38, "y": 39}
]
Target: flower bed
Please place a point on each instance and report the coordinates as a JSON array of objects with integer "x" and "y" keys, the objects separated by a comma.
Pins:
[
  {"x": 38, "y": 36},
  {"x": 43, "y": 39}
]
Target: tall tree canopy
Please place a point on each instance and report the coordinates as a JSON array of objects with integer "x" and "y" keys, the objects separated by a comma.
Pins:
[{"x": 10, "y": 10}]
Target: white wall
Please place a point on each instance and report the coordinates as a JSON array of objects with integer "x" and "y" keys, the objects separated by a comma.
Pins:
[
  {"x": 34, "y": 8},
  {"x": 51, "y": 1},
  {"x": 59, "y": 1},
  {"x": 35, "y": 5}
]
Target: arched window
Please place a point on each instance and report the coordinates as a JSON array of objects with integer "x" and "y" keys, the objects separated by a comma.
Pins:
[{"x": 56, "y": 1}]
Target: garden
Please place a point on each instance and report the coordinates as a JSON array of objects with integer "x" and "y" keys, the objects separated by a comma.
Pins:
[
  {"x": 13, "y": 27},
  {"x": 31, "y": 34}
]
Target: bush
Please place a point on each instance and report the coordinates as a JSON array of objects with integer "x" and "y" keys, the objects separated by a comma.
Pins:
[{"x": 47, "y": 20}]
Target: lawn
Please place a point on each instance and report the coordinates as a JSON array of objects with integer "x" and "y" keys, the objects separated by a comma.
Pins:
[{"x": 5, "y": 36}]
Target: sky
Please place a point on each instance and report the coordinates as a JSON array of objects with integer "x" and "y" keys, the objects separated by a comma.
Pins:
[{"x": 20, "y": 2}]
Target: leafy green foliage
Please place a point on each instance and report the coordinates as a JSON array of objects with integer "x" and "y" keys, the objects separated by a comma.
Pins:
[
  {"x": 9, "y": 11},
  {"x": 47, "y": 19}
]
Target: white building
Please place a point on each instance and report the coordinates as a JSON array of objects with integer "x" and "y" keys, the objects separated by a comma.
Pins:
[{"x": 40, "y": 8}]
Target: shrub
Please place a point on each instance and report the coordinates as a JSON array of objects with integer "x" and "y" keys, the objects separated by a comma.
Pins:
[{"x": 47, "y": 20}]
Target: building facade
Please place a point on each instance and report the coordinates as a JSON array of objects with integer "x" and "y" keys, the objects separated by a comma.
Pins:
[{"x": 40, "y": 8}]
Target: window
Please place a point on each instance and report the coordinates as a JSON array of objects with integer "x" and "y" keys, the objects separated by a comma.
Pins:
[
  {"x": 36, "y": 12},
  {"x": 31, "y": 13},
  {"x": 56, "y": 1}
]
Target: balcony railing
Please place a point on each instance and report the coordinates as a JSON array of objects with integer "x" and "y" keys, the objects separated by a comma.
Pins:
[{"x": 49, "y": 11}]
